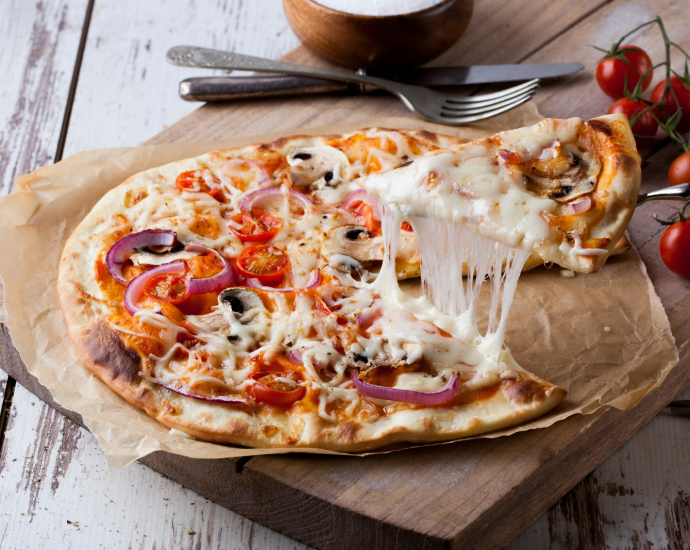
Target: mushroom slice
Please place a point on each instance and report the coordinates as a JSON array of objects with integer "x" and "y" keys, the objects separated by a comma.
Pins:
[
  {"x": 239, "y": 301},
  {"x": 356, "y": 243},
  {"x": 318, "y": 167},
  {"x": 563, "y": 186},
  {"x": 365, "y": 364},
  {"x": 233, "y": 304}
]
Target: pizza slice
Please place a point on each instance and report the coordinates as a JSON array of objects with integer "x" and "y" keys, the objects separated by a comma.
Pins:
[{"x": 564, "y": 190}]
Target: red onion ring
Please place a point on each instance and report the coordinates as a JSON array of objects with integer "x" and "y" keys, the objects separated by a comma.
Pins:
[
  {"x": 261, "y": 173},
  {"x": 295, "y": 357},
  {"x": 313, "y": 281},
  {"x": 135, "y": 288},
  {"x": 362, "y": 195},
  {"x": 252, "y": 199},
  {"x": 409, "y": 396},
  {"x": 219, "y": 398},
  {"x": 122, "y": 249},
  {"x": 219, "y": 281},
  {"x": 581, "y": 206}
]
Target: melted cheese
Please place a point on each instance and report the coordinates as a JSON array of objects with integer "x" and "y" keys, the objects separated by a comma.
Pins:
[{"x": 406, "y": 329}]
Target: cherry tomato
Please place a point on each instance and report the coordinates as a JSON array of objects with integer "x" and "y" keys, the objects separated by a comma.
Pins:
[
  {"x": 645, "y": 125},
  {"x": 194, "y": 181},
  {"x": 679, "y": 172},
  {"x": 273, "y": 389},
  {"x": 167, "y": 287},
  {"x": 265, "y": 263},
  {"x": 670, "y": 105},
  {"x": 614, "y": 75},
  {"x": 675, "y": 248},
  {"x": 255, "y": 226}
]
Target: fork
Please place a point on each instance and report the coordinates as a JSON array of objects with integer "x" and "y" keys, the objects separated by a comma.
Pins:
[{"x": 432, "y": 105}]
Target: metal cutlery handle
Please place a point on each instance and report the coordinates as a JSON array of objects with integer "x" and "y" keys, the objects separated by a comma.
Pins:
[
  {"x": 224, "y": 88},
  {"x": 193, "y": 56},
  {"x": 680, "y": 191}
]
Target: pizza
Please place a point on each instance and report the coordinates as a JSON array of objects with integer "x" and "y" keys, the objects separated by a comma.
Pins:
[{"x": 250, "y": 295}]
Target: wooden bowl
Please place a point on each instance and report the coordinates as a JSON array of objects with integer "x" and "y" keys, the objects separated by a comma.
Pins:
[{"x": 369, "y": 41}]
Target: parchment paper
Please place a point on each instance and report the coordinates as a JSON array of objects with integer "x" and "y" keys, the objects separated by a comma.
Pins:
[{"x": 604, "y": 337}]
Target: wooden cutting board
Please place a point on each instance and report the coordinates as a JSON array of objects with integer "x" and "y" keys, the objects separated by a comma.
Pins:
[{"x": 476, "y": 494}]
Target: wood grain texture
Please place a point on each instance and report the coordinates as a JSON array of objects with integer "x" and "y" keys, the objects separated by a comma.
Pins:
[
  {"x": 39, "y": 47},
  {"x": 355, "y": 489},
  {"x": 576, "y": 513},
  {"x": 492, "y": 24},
  {"x": 138, "y": 507},
  {"x": 56, "y": 491},
  {"x": 136, "y": 96},
  {"x": 637, "y": 499}
]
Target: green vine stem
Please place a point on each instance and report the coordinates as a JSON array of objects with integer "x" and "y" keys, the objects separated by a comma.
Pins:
[{"x": 679, "y": 217}]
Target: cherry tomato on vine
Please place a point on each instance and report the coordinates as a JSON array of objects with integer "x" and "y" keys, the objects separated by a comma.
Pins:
[
  {"x": 645, "y": 126},
  {"x": 675, "y": 248},
  {"x": 193, "y": 181},
  {"x": 679, "y": 171},
  {"x": 255, "y": 226},
  {"x": 614, "y": 74},
  {"x": 670, "y": 105},
  {"x": 265, "y": 263},
  {"x": 276, "y": 388}
]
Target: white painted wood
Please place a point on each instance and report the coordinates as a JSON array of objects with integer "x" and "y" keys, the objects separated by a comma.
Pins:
[
  {"x": 128, "y": 92},
  {"x": 56, "y": 491},
  {"x": 38, "y": 47}
]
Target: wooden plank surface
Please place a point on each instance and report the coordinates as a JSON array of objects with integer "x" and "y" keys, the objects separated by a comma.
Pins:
[
  {"x": 257, "y": 483},
  {"x": 40, "y": 42}
]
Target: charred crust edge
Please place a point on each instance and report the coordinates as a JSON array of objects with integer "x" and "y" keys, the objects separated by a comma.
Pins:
[{"x": 104, "y": 348}]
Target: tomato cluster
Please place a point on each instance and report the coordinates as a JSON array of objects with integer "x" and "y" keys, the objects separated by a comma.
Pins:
[{"x": 624, "y": 74}]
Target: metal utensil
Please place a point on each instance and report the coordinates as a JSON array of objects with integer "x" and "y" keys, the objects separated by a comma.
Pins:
[
  {"x": 680, "y": 191},
  {"x": 477, "y": 74},
  {"x": 680, "y": 407},
  {"x": 228, "y": 88},
  {"x": 433, "y": 105}
]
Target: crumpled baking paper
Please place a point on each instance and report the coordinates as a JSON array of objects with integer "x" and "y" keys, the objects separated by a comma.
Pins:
[{"x": 604, "y": 337}]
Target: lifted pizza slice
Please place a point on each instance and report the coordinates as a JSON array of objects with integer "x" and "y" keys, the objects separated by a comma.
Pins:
[{"x": 564, "y": 190}]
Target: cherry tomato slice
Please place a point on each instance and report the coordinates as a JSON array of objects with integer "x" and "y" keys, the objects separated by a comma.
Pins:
[
  {"x": 615, "y": 75},
  {"x": 255, "y": 226},
  {"x": 262, "y": 262},
  {"x": 271, "y": 388},
  {"x": 365, "y": 216},
  {"x": 167, "y": 287},
  {"x": 193, "y": 181}
]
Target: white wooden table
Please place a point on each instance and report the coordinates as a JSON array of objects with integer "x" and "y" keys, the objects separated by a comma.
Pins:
[{"x": 83, "y": 74}]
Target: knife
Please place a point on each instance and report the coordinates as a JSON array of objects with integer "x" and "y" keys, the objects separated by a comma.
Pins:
[{"x": 223, "y": 88}]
